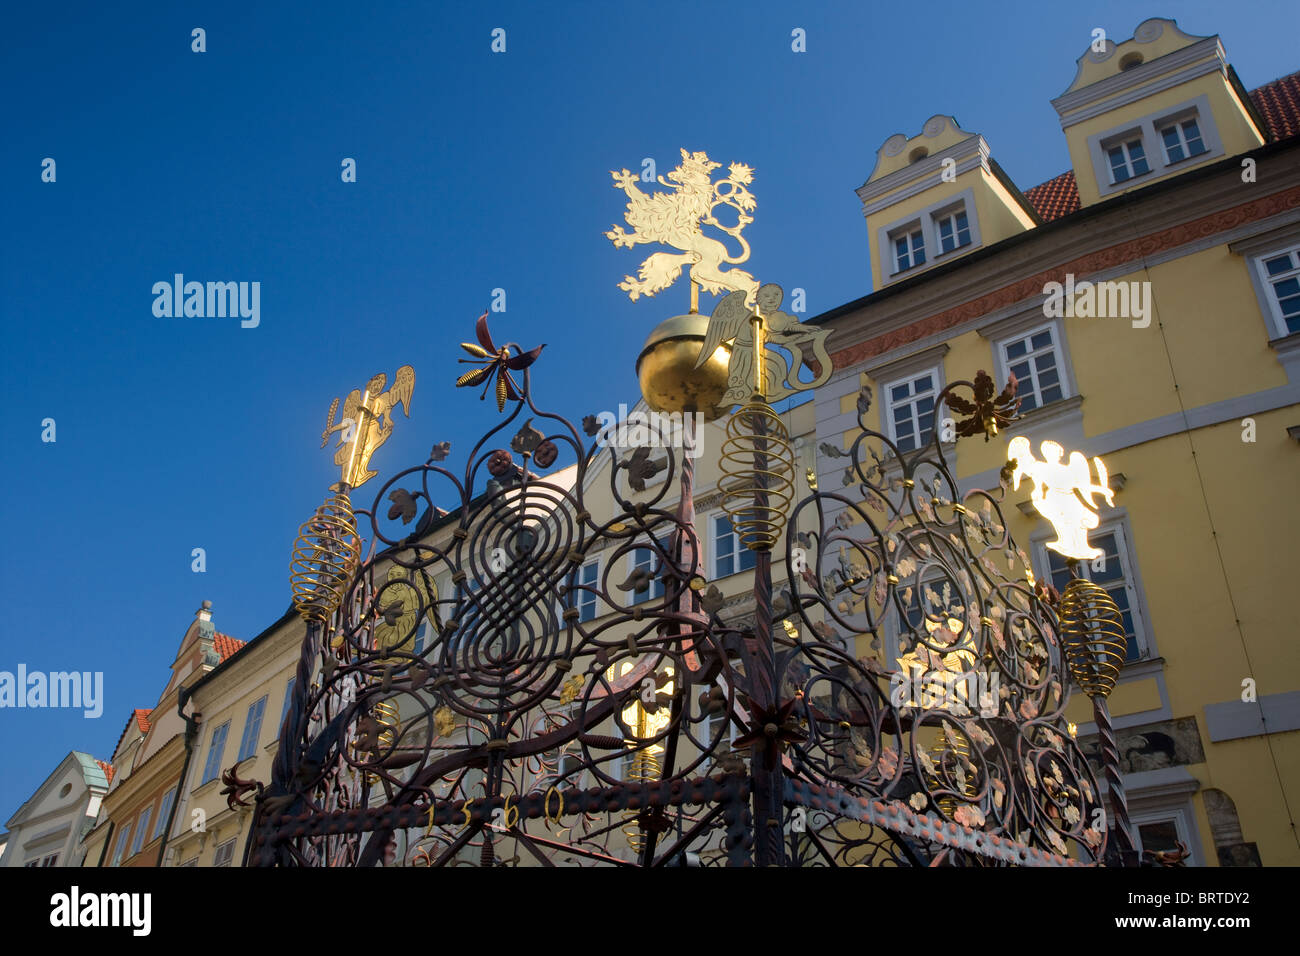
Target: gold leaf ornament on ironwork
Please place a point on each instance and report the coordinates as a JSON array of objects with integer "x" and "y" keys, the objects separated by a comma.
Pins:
[
  {"x": 406, "y": 592},
  {"x": 444, "y": 721}
]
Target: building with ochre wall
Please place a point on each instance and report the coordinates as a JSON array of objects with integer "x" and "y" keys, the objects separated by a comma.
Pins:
[{"x": 1148, "y": 303}]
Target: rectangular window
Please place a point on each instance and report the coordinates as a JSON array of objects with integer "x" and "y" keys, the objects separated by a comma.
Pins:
[
  {"x": 729, "y": 555},
  {"x": 954, "y": 231},
  {"x": 1034, "y": 361},
  {"x": 224, "y": 854},
  {"x": 647, "y": 559},
  {"x": 215, "y": 751},
  {"x": 585, "y": 601},
  {"x": 910, "y": 406},
  {"x": 1112, "y": 572},
  {"x": 252, "y": 729},
  {"x": 1182, "y": 139},
  {"x": 423, "y": 636},
  {"x": 909, "y": 250},
  {"x": 164, "y": 811},
  {"x": 191, "y": 862},
  {"x": 50, "y": 860},
  {"x": 567, "y": 772},
  {"x": 1164, "y": 827},
  {"x": 1127, "y": 160},
  {"x": 288, "y": 699},
  {"x": 1281, "y": 274},
  {"x": 141, "y": 830},
  {"x": 120, "y": 850}
]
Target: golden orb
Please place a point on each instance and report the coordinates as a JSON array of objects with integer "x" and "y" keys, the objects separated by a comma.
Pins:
[{"x": 670, "y": 382}]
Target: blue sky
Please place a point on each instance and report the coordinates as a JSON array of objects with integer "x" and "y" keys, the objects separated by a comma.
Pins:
[{"x": 475, "y": 171}]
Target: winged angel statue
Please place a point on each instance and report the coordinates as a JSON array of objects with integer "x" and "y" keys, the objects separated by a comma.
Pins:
[{"x": 367, "y": 423}]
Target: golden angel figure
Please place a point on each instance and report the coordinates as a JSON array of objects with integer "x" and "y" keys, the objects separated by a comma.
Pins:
[
  {"x": 367, "y": 423},
  {"x": 1064, "y": 493},
  {"x": 731, "y": 321}
]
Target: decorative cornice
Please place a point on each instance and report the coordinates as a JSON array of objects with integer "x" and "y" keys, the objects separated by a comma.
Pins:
[
  {"x": 1134, "y": 84},
  {"x": 1130, "y": 95},
  {"x": 1133, "y": 250},
  {"x": 913, "y": 362},
  {"x": 968, "y": 153}
]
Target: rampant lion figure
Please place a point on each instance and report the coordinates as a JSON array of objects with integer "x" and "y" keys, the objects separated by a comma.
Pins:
[{"x": 676, "y": 219}]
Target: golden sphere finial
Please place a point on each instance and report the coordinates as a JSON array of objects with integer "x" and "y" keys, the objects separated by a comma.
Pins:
[{"x": 669, "y": 380}]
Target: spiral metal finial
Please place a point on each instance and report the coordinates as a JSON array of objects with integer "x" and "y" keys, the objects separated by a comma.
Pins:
[
  {"x": 1095, "y": 648},
  {"x": 325, "y": 555},
  {"x": 960, "y": 747},
  {"x": 1092, "y": 630},
  {"x": 757, "y": 475}
]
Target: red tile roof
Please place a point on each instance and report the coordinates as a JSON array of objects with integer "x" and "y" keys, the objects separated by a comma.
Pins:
[
  {"x": 1277, "y": 102},
  {"x": 109, "y": 770},
  {"x": 226, "y": 645},
  {"x": 138, "y": 717},
  {"x": 1054, "y": 198}
]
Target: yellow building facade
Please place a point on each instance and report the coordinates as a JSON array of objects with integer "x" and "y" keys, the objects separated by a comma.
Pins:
[
  {"x": 151, "y": 758},
  {"x": 1148, "y": 305}
]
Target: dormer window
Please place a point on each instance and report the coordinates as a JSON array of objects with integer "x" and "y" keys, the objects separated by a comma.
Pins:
[
  {"x": 909, "y": 248},
  {"x": 954, "y": 230},
  {"x": 1154, "y": 145},
  {"x": 1127, "y": 160},
  {"x": 1182, "y": 139},
  {"x": 941, "y": 231}
]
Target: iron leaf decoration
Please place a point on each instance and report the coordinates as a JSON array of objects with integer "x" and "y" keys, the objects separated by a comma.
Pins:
[{"x": 987, "y": 412}]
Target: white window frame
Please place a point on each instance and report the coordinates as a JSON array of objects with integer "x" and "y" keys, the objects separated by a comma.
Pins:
[
  {"x": 944, "y": 215},
  {"x": 1147, "y": 129},
  {"x": 914, "y": 238},
  {"x": 1181, "y": 815},
  {"x": 252, "y": 729},
  {"x": 737, "y": 552},
  {"x": 164, "y": 808},
  {"x": 927, "y": 220},
  {"x": 586, "y": 600},
  {"x": 1277, "y": 321},
  {"x": 887, "y": 403},
  {"x": 656, "y": 588},
  {"x": 1124, "y": 143},
  {"x": 288, "y": 699},
  {"x": 228, "y": 846},
  {"x": 1117, "y": 524},
  {"x": 141, "y": 830},
  {"x": 1062, "y": 360},
  {"x": 1176, "y": 123},
  {"x": 212, "y": 766},
  {"x": 119, "y": 853}
]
